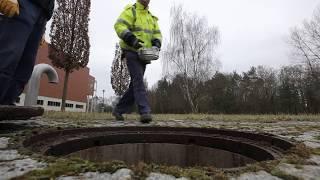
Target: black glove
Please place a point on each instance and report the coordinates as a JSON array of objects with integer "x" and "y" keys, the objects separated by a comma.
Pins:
[
  {"x": 156, "y": 42},
  {"x": 137, "y": 44},
  {"x": 132, "y": 40}
]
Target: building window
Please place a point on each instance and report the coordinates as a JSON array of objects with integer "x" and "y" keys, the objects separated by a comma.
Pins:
[
  {"x": 69, "y": 105},
  {"x": 40, "y": 102},
  {"x": 78, "y": 106},
  {"x": 52, "y": 103}
]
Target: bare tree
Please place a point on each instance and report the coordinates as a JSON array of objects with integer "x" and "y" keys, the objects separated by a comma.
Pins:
[
  {"x": 305, "y": 42},
  {"x": 69, "y": 49},
  {"x": 120, "y": 78},
  {"x": 190, "y": 53}
]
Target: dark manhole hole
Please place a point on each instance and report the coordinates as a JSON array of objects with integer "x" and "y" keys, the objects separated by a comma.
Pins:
[
  {"x": 166, "y": 154},
  {"x": 185, "y": 147}
]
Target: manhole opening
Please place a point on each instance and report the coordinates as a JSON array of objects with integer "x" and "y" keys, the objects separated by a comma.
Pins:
[
  {"x": 164, "y": 154},
  {"x": 184, "y": 147}
]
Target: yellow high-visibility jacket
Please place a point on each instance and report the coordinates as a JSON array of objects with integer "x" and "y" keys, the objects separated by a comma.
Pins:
[{"x": 140, "y": 22}]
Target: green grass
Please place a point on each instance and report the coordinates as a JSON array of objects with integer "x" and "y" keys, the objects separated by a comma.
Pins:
[
  {"x": 284, "y": 175},
  {"x": 71, "y": 167},
  {"x": 316, "y": 151},
  {"x": 209, "y": 117},
  {"x": 301, "y": 150},
  {"x": 74, "y": 166}
]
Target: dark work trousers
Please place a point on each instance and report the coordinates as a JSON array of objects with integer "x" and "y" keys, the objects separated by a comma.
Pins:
[
  {"x": 137, "y": 91},
  {"x": 20, "y": 37}
]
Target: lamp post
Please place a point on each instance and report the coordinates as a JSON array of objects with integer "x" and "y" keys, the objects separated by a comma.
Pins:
[
  {"x": 103, "y": 96},
  {"x": 103, "y": 100},
  {"x": 94, "y": 100}
]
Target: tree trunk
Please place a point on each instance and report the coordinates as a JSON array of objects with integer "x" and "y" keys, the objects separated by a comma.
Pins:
[
  {"x": 65, "y": 90},
  {"x": 186, "y": 90}
]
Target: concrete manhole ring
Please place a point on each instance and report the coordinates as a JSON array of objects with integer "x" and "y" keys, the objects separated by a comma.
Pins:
[
  {"x": 19, "y": 112},
  {"x": 185, "y": 147}
]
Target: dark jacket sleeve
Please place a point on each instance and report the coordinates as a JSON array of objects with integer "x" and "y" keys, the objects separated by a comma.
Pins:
[{"x": 46, "y": 5}]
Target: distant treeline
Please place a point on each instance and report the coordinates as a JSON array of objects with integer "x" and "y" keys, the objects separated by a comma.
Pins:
[{"x": 261, "y": 90}]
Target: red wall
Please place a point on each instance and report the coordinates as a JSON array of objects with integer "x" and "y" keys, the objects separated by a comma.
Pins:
[{"x": 80, "y": 82}]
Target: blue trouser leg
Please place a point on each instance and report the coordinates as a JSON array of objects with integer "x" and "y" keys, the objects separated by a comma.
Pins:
[
  {"x": 19, "y": 41},
  {"x": 137, "y": 91},
  {"x": 126, "y": 101}
]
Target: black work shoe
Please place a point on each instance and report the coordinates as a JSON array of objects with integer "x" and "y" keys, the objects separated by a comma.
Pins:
[
  {"x": 118, "y": 116},
  {"x": 145, "y": 118}
]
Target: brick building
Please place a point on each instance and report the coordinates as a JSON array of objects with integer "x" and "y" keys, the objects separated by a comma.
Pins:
[{"x": 80, "y": 87}]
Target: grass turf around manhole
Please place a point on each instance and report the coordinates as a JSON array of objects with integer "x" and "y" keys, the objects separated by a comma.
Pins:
[{"x": 162, "y": 145}]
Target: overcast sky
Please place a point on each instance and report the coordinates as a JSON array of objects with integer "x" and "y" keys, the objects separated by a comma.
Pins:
[{"x": 253, "y": 32}]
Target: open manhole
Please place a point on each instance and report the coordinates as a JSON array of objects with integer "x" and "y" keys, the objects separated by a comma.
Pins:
[{"x": 184, "y": 147}]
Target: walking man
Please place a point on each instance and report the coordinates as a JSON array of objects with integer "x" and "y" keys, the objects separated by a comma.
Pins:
[
  {"x": 137, "y": 28},
  {"x": 22, "y": 24}
]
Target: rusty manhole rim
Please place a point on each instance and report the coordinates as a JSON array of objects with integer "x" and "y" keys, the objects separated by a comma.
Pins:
[{"x": 260, "y": 147}]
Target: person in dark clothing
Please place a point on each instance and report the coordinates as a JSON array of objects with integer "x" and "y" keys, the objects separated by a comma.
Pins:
[{"x": 22, "y": 24}]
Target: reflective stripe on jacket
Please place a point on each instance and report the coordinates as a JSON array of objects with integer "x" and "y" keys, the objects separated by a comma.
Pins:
[{"x": 140, "y": 22}]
